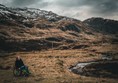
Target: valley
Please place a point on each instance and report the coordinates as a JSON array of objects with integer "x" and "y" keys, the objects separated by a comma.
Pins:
[{"x": 50, "y": 44}]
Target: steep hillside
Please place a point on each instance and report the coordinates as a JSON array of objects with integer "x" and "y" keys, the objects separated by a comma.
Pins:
[
  {"x": 24, "y": 15},
  {"x": 103, "y": 25},
  {"x": 27, "y": 29}
]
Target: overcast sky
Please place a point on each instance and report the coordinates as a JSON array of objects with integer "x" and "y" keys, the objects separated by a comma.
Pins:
[{"x": 80, "y": 9}]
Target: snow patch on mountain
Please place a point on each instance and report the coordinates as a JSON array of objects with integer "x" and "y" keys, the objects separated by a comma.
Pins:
[{"x": 30, "y": 14}]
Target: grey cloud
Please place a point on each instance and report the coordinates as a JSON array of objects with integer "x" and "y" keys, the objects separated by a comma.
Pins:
[
  {"x": 109, "y": 6},
  {"x": 99, "y": 8},
  {"x": 98, "y": 5},
  {"x": 20, "y": 3},
  {"x": 95, "y": 7},
  {"x": 105, "y": 6}
]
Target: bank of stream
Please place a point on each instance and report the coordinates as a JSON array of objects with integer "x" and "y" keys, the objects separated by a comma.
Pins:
[{"x": 99, "y": 68}]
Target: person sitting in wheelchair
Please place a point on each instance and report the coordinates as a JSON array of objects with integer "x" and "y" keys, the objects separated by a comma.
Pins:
[{"x": 19, "y": 66}]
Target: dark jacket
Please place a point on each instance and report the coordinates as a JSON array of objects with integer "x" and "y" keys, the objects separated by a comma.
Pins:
[{"x": 18, "y": 63}]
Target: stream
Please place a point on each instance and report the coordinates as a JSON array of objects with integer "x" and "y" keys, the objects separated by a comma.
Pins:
[
  {"x": 78, "y": 68},
  {"x": 99, "y": 68}
]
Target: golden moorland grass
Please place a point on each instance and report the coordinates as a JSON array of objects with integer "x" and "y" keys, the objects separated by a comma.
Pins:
[{"x": 50, "y": 67}]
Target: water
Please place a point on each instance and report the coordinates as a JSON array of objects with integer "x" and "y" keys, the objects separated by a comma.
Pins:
[{"x": 79, "y": 67}]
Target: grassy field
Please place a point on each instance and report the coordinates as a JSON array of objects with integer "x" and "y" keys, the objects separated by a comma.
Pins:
[{"x": 49, "y": 67}]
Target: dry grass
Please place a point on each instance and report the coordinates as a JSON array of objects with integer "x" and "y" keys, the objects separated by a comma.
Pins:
[{"x": 50, "y": 67}]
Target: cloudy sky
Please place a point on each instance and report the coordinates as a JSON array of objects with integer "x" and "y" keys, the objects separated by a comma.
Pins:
[{"x": 80, "y": 9}]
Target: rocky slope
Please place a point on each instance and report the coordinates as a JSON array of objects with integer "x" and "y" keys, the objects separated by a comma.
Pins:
[
  {"x": 35, "y": 29},
  {"x": 27, "y": 29},
  {"x": 103, "y": 25},
  {"x": 24, "y": 15}
]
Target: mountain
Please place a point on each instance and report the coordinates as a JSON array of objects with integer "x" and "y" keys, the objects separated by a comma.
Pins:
[
  {"x": 106, "y": 26},
  {"x": 35, "y": 29},
  {"x": 27, "y": 29},
  {"x": 24, "y": 15}
]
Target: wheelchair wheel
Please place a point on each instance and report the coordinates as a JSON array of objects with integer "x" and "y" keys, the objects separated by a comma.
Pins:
[
  {"x": 16, "y": 72},
  {"x": 22, "y": 72}
]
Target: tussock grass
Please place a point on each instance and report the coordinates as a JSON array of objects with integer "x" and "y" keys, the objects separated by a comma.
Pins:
[{"x": 49, "y": 67}]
